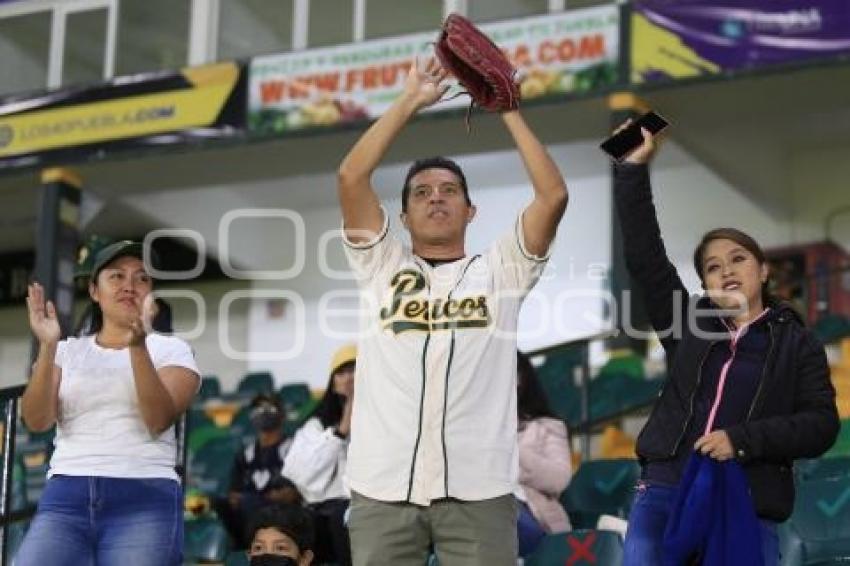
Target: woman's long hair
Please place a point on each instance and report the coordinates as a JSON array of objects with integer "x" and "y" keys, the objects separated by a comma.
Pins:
[
  {"x": 329, "y": 409},
  {"x": 531, "y": 399}
]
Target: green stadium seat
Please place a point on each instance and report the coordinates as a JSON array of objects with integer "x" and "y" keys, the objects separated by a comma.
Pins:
[
  {"x": 842, "y": 443},
  {"x": 255, "y": 383},
  {"x": 19, "y": 485},
  {"x": 210, "y": 466},
  {"x": 600, "y": 487},
  {"x": 579, "y": 548},
  {"x": 237, "y": 558},
  {"x": 557, "y": 377},
  {"x": 17, "y": 531},
  {"x": 822, "y": 468},
  {"x": 629, "y": 364},
  {"x": 617, "y": 393},
  {"x": 294, "y": 397},
  {"x": 241, "y": 427},
  {"x": 210, "y": 388},
  {"x": 206, "y": 540},
  {"x": 200, "y": 436},
  {"x": 199, "y": 418},
  {"x": 818, "y": 531}
]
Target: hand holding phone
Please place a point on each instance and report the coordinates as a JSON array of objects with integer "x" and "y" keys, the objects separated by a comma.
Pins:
[{"x": 621, "y": 144}]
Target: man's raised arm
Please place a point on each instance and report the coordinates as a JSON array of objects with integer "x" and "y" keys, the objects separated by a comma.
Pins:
[
  {"x": 361, "y": 210},
  {"x": 541, "y": 218}
]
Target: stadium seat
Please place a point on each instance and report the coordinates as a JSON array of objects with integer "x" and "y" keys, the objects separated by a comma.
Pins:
[
  {"x": 210, "y": 388},
  {"x": 557, "y": 377},
  {"x": 842, "y": 444},
  {"x": 200, "y": 436},
  {"x": 822, "y": 468},
  {"x": 17, "y": 531},
  {"x": 614, "y": 443},
  {"x": 206, "y": 540},
  {"x": 199, "y": 418},
  {"x": 579, "y": 548},
  {"x": 237, "y": 558},
  {"x": 241, "y": 427},
  {"x": 256, "y": 382},
  {"x": 210, "y": 466},
  {"x": 624, "y": 362},
  {"x": 295, "y": 397},
  {"x": 818, "y": 532},
  {"x": 600, "y": 487}
]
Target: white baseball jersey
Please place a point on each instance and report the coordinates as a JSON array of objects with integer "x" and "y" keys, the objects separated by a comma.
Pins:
[{"x": 435, "y": 401}]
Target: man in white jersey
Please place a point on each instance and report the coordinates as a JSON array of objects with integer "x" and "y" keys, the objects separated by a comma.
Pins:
[{"x": 433, "y": 456}]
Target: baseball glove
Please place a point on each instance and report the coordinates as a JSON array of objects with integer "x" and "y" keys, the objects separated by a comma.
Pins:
[{"x": 478, "y": 64}]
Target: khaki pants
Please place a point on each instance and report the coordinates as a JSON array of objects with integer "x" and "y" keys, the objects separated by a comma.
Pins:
[{"x": 464, "y": 533}]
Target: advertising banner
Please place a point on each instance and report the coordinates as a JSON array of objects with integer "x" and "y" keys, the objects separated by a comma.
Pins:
[
  {"x": 139, "y": 108},
  {"x": 689, "y": 38},
  {"x": 570, "y": 52}
]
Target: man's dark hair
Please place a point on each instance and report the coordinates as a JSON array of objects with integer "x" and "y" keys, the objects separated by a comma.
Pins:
[
  {"x": 433, "y": 163},
  {"x": 294, "y": 521}
]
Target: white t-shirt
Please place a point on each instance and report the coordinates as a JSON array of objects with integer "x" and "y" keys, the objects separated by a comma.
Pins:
[
  {"x": 100, "y": 431},
  {"x": 435, "y": 406}
]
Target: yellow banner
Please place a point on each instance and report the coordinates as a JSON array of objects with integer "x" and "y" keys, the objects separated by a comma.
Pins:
[{"x": 133, "y": 116}]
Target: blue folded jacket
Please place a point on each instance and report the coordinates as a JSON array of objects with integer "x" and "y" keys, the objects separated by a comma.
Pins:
[{"x": 713, "y": 517}]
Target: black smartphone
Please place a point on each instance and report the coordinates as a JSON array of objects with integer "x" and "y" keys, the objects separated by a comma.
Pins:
[{"x": 622, "y": 143}]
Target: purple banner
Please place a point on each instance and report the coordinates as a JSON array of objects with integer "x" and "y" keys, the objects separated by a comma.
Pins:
[{"x": 684, "y": 38}]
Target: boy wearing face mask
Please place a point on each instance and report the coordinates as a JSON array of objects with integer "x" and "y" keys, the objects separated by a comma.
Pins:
[
  {"x": 282, "y": 535},
  {"x": 256, "y": 479}
]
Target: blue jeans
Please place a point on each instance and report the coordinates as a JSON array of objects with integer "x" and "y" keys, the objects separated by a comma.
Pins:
[
  {"x": 83, "y": 521},
  {"x": 529, "y": 531},
  {"x": 648, "y": 519}
]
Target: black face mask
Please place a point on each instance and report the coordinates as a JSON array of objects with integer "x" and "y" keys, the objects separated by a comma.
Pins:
[
  {"x": 265, "y": 419},
  {"x": 272, "y": 560}
]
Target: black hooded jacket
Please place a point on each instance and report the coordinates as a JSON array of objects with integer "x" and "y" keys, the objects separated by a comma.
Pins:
[{"x": 793, "y": 414}]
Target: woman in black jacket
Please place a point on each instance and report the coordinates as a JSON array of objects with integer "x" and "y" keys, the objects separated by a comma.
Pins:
[{"x": 747, "y": 381}]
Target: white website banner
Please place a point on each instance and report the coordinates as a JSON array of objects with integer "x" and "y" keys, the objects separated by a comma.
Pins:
[{"x": 568, "y": 52}]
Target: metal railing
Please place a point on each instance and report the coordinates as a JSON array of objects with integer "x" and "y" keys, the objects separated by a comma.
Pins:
[{"x": 9, "y": 399}]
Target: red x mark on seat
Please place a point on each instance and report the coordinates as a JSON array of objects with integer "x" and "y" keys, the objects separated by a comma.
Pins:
[{"x": 581, "y": 549}]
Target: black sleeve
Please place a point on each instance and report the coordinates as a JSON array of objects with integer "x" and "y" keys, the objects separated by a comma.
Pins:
[
  {"x": 237, "y": 475},
  {"x": 807, "y": 433},
  {"x": 664, "y": 295}
]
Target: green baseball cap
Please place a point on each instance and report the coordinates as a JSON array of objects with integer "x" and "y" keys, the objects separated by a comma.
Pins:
[{"x": 120, "y": 249}]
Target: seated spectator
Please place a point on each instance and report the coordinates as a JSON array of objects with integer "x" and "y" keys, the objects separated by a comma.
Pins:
[
  {"x": 282, "y": 535},
  {"x": 256, "y": 480},
  {"x": 316, "y": 461},
  {"x": 545, "y": 466}
]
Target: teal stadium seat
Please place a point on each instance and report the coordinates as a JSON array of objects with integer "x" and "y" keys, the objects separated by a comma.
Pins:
[
  {"x": 842, "y": 443},
  {"x": 295, "y": 397},
  {"x": 579, "y": 548},
  {"x": 818, "y": 532},
  {"x": 210, "y": 388},
  {"x": 557, "y": 377},
  {"x": 17, "y": 531},
  {"x": 210, "y": 466},
  {"x": 298, "y": 403},
  {"x": 600, "y": 487},
  {"x": 206, "y": 541},
  {"x": 822, "y": 468},
  {"x": 256, "y": 382}
]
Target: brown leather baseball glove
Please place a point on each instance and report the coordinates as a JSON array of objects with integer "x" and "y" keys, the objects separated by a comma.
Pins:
[{"x": 478, "y": 64}]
